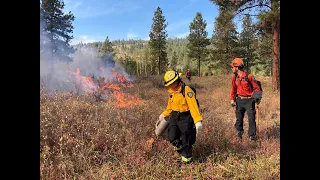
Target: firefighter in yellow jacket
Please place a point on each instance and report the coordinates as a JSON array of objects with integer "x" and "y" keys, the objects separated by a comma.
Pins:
[{"x": 185, "y": 119}]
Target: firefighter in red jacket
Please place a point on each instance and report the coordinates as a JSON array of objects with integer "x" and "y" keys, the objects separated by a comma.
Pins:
[
  {"x": 243, "y": 97},
  {"x": 188, "y": 75}
]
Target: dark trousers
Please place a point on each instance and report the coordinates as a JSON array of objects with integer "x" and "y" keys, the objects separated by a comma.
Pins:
[
  {"x": 182, "y": 132},
  {"x": 242, "y": 106}
]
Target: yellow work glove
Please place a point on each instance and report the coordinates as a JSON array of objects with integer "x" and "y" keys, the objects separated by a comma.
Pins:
[{"x": 233, "y": 103}]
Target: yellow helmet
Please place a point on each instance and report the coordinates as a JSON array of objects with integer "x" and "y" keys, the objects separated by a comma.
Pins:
[{"x": 170, "y": 77}]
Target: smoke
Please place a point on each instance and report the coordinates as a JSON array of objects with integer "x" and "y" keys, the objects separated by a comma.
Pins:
[{"x": 56, "y": 73}]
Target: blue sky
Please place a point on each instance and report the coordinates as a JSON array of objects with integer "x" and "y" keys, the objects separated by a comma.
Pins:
[{"x": 132, "y": 19}]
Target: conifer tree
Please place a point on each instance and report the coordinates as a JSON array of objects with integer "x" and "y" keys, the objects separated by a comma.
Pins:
[
  {"x": 57, "y": 28},
  {"x": 157, "y": 42},
  {"x": 198, "y": 41}
]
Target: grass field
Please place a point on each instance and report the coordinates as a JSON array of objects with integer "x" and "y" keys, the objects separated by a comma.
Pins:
[{"x": 82, "y": 137}]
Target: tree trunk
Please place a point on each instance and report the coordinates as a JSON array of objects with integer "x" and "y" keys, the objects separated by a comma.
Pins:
[
  {"x": 159, "y": 65},
  {"x": 137, "y": 64},
  {"x": 145, "y": 69},
  {"x": 199, "y": 73},
  {"x": 276, "y": 56},
  {"x": 248, "y": 54}
]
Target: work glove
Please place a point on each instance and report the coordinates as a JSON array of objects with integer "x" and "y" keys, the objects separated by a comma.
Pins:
[
  {"x": 199, "y": 126},
  {"x": 161, "y": 117},
  {"x": 233, "y": 103}
]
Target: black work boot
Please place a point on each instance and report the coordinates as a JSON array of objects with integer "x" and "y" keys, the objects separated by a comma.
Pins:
[
  {"x": 253, "y": 138},
  {"x": 239, "y": 134}
]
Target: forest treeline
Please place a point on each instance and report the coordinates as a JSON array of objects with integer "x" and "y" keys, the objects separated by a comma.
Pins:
[{"x": 258, "y": 42}]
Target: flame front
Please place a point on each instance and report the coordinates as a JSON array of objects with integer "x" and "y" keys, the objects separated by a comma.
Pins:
[
  {"x": 111, "y": 88},
  {"x": 124, "y": 100},
  {"x": 86, "y": 82}
]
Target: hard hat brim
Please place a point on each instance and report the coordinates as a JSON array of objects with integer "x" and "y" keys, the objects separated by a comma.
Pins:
[
  {"x": 233, "y": 65},
  {"x": 170, "y": 82}
]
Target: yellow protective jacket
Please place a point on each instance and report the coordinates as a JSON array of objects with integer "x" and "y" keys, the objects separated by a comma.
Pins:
[{"x": 177, "y": 102}]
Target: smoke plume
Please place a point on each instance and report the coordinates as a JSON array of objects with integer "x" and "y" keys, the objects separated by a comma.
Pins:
[{"x": 56, "y": 73}]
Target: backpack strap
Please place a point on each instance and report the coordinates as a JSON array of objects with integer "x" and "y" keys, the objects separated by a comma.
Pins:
[
  {"x": 234, "y": 77},
  {"x": 183, "y": 89},
  {"x": 183, "y": 93},
  {"x": 247, "y": 77}
]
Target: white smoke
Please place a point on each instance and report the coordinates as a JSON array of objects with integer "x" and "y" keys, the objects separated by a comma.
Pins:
[{"x": 57, "y": 74}]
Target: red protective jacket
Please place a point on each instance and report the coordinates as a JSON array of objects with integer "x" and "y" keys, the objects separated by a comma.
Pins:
[
  {"x": 188, "y": 74},
  {"x": 241, "y": 87}
]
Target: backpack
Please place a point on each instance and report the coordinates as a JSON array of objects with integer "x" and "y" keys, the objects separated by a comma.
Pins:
[
  {"x": 256, "y": 94},
  {"x": 251, "y": 87},
  {"x": 193, "y": 89}
]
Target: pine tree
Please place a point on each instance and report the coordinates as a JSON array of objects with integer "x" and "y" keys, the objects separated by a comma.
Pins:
[
  {"x": 269, "y": 11},
  {"x": 198, "y": 41},
  {"x": 107, "y": 47},
  {"x": 57, "y": 28},
  {"x": 224, "y": 39},
  {"x": 247, "y": 40},
  {"x": 107, "y": 53},
  {"x": 42, "y": 32},
  {"x": 174, "y": 60},
  {"x": 157, "y": 42},
  {"x": 264, "y": 52}
]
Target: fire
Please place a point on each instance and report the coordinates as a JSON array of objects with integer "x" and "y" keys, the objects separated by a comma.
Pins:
[
  {"x": 111, "y": 88},
  {"x": 150, "y": 143},
  {"x": 125, "y": 100},
  {"x": 123, "y": 80},
  {"x": 86, "y": 82}
]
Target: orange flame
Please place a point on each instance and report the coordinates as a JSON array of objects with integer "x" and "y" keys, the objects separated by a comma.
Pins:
[
  {"x": 110, "y": 86},
  {"x": 86, "y": 82},
  {"x": 122, "y": 100},
  {"x": 117, "y": 98},
  {"x": 150, "y": 143},
  {"x": 122, "y": 79}
]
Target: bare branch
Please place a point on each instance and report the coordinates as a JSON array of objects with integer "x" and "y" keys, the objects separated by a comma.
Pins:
[
  {"x": 249, "y": 7},
  {"x": 250, "y": 14}
]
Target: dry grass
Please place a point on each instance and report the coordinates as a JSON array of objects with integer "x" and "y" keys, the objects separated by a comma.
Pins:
[{"x": 84, "y": 139}]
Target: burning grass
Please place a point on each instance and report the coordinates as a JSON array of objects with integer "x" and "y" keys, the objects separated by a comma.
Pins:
[{"x": 85, "y": 138}]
